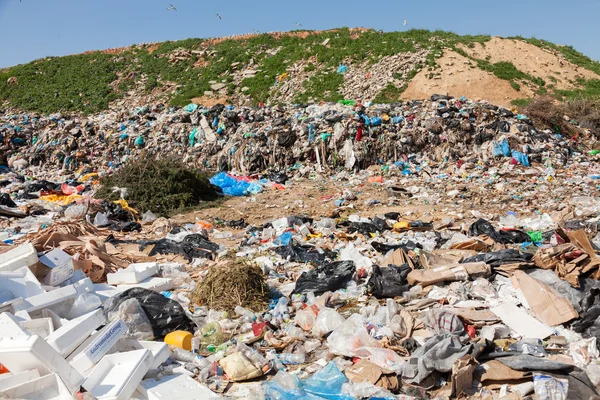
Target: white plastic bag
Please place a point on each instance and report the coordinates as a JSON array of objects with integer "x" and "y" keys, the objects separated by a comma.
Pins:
[
  {"x": 327, "y": 321},
  {"x": 83, "y": 304}
]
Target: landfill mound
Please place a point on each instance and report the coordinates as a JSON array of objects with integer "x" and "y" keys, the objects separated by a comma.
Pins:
[{"x": 303, "y": 67}]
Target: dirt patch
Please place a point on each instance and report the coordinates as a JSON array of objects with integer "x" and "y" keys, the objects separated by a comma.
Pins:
[
  {"x": 531, "y": 60},
  {"x": 151, "y": 49},
  {"x": 209, "y": 101},
  {"x": 459, "y": 76}
]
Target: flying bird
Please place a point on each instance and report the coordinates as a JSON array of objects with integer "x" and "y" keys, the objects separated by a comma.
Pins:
[
  {"x": 405, "y": 22},
  {"x": 298, "y": 24},
  {"x": 218, "y": 16},
  {"x": 171, "y": 7},
  {"x": 255, "y": 31}
]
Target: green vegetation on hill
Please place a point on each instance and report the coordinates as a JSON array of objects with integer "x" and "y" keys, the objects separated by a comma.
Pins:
[{"x": 89, "y": 82}]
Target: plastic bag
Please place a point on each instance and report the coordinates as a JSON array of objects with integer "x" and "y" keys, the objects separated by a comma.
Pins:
[
  {"x": 83, "y": 304},
  {"x": 521, "y": 158},
  {"x": 549, "y": 388},
  {"x": 100, "y": 219},
  {"x": 327, "y": 383},
  {"x": 306, "y": 318},
  {"x": 298, "y": 253},
  {"x": 327, "y": 321},
  {"x": 239, "y": 368},
  {"x": 483, "y": 227},
  {"x": 132, "y": 314},
  {"x": 164, "y": 315},
  {"x": 76, "y": 212},
  {"x": 328, "y": 277},
  {"x": 351, "y": 338},
  {"x": 389, "y": 282},
  {"x": 497, "y": 258},
  {"x": 148, "y": 217},
  {"x": 502, "y": 149}
]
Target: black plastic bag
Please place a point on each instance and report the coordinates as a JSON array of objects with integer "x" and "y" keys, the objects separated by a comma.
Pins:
[
  {"x": 392, "y": 215},
  {"x": 166, "y": 246},
  {"x": 497, "y": 258},
  {"x": 483, "y": 227},
  {"x": 125, "y": 227},
  {"x": 366, "y": 228},
  {"x": 165, "y": 315},
  {"x": 278, "y": 177},
  {"x": 198, "y": 241},
  {"x": 389, "y": 282},
  {"x": 5, "y": 200},
  {"x": 325, "y": 278},
  {"x": 384, "y": 248},
  {"x": 381, "y": 224},
  {"x": 299, "y": 253}
]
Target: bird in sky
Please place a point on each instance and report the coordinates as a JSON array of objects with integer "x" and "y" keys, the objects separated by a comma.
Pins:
[
  {"x": 171, "y": 7},
  {"x": 298, "y": 24},
  {"x": 218, "y": 16},
  {"x": 255, "y": 31},
  {"x": 405, "y": 22}
]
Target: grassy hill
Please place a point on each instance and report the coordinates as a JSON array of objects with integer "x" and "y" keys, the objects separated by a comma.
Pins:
[{"x": 296, "y": 66}]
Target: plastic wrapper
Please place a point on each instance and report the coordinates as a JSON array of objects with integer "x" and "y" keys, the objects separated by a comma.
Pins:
[
  {"x": 549, "y": 388},
  {"x": 327, "y": 321},
  {"x": 83, "y": 304},
  {"x": 351, "y": 338},
  {"x": 328, "y": 277},
  {"x": 306, "y": 318},
  {"x": 76, "y": 211},
  {"x": 132, "y": 314},
  {"x": 389, "y": 281}
]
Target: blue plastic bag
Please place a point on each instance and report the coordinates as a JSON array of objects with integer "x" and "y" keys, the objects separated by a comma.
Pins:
[
  {"x": 502, "y": 149},
  {"x": 139, "y": 141},
  {"x": 223, "y": 180},
  {"x": 232, "y": 187},
  {"x": 342, "y": 69},
  {"x": 192, "y": 138},
  {"x": 284, "y": 239},
  {"x": 521, "y": 158},
  {"x": 397, "y": 120},
  {"x": 375, "y": 121},
  {"x": 215, "y": 122},
  {"x": 327, "y": 383},
  {"x": 191, "y": 107},
  {"x": 366, "y": 120}
]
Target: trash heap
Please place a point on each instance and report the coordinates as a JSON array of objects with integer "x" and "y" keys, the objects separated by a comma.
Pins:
[
  {"x": 434, "y": 272},
  {"x": 249, "y": 140}
]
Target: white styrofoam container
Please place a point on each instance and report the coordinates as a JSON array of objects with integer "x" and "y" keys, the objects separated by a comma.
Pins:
[
  {"x": 60, "y": 264},
  {"x": 11, "y": 327},
  {"x": 180, "y": 387},
  {"x": 42, "y": 327},
  {"x": 58, "y": 295},
  {"x": 23, "y": 256},
  {"x": 135, "y": 273},
  {"x": 9, "y": 380},
  {"x": 32, "y": 352},
  {"x": 103, "y": 341},
  {"x": 105, "y": 291},
  {"x": 118, "y": 375},
  {"x": 48, "y": 387},
  {"x": 20, "y": 283},
  {"x": 160, "y": 350},
  {"x": 156, "y": 284},
  {"x": 66, "y": 338}
]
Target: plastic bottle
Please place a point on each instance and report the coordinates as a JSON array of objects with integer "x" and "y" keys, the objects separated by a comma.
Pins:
[
  {"x": 189, "y": 357},
  {"x": 247, "y": 315},
  {"x": 289, "y": 358}
]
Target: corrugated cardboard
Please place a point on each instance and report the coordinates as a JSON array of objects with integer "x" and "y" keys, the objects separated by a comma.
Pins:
[
  {"x": 452, "y": 272},
  {"x": 549, "y": 307}
]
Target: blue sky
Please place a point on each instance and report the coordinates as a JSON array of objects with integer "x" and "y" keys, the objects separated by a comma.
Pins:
[{"x": 31, "y": 29}]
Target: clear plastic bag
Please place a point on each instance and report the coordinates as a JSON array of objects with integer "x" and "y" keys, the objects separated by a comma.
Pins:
[
  {"x": 327, "y": 321},
  {"x": 351, "y": 337},
  {"x": 83, "y": 304},
  {"x": 130, "y": 311}
]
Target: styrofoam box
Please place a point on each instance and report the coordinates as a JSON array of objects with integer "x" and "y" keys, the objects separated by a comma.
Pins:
[
  {"x": 9, "y": 380},
  {"x": 180, "y": 387},
  {"x": 11, "y": 327},
  {"x": 22, "y": 256},
  {"x": 42, "y": 327},
  {"x": 156, "y": 284},
  {"x": 117, "y": 376},
  {"x": 32, "y": 352},
  {"x": 20, "y": 283},
  {"x": 133, "y": 274},
  {"x": 48, "y": 387},
  {"x": 160, "y": 350},
  {"x": 66, "y": 338},
  {"x": 105, "y": 291},
  {"x": 58, "y": 295},
  {"x": 103, "y": 341}
]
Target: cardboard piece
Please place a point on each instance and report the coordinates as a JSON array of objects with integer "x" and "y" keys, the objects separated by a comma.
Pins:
[
  {"x": 448, "y": 273},
  {"x": 462, "y": 374},
  {"x": 496, "y": 371},
  {"x": 549, "y": 307},
  {"x": 398, "y": 257},
  {"x": 521, "y": 322},
  {"x": 366, "y": 371}
]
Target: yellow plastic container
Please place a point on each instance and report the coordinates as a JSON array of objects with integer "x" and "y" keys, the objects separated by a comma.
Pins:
[
  {"x": 181, "y": 339},
  {"x": 401, "y": 225}
]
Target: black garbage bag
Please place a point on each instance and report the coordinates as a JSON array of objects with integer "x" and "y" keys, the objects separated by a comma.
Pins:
[
  {"x": 384, "y": 248},
  {"x": 286, "y": 139},
  {"x": 125, "y": 227},
  {"x": 115, "y": 211},
  {"x": 327, "y": 277},
  {"x": 389, "y": 281},
  {"x": 501, "y": 257},
  {"x": 299, "y": 220},
  {"x": 166, "y": 246},
  {"x": 381, "y": 224},
  {"x": 5, "y": 200},
  {"x": 392, "y": 215},
  {"x": 366, "y": 228},
  {"x": 165, "y": 315},
  {"x": 196, "y": 240},
  {"x": 278, "y": 177},
  {"x": 298, "y": 253},
  {"x": 589, "y": 323},
  {"x": 483, "y": 227}
]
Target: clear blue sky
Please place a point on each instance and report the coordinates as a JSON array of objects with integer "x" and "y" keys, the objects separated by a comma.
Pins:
[{"x": 31, "y": 29}]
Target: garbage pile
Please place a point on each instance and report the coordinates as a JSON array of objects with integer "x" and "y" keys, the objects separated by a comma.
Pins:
[
  {"x": 249, "y": 140},
  {"x": 435, "y": 262}
]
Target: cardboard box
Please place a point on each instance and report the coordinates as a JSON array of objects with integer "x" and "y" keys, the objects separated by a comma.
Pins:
[{"x": 60, "y": 267}]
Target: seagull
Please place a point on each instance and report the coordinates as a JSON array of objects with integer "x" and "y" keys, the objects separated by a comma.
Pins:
[
  {"x": 255, "y": 31},
  {"x": 298, "y": 24},
  {"x": 218, "y": 16},
  {"x": 171, "y": 7},
  {"x": 405, "y": 22}
]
